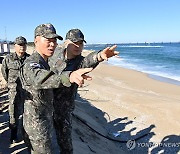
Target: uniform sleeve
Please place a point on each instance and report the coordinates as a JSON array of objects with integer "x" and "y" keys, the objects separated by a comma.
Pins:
[
  {"x": 90, "y": 60},
  {"x": 4, "y": 68},
  {"x": 56, "y": 57},
  {"x": 44, "y": 79}
]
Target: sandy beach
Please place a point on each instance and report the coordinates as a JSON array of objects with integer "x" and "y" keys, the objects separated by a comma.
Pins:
[
  {"x": 145, "y": 102},
  {"x": 119, "y": 111}
]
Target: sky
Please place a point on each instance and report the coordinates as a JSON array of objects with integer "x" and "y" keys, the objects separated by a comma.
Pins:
[{"x": 101, "y": 21}]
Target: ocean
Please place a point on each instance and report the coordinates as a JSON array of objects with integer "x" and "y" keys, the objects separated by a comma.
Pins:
[{"x": 160, "y": 61}]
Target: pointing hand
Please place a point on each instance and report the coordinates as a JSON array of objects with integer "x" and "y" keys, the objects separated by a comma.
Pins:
[{"x": 79, "y": 76}]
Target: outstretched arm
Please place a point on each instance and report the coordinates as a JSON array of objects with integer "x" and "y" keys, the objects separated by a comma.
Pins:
[
  {"x": 34, "y": 74},
  {"x": 107, "y": 53},
  {"x": 93, "y": 59},
  {"x": 45, "y": 79}
]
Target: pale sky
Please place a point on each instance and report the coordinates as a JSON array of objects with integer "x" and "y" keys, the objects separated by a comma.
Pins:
[{"x": 101, "y": 21}]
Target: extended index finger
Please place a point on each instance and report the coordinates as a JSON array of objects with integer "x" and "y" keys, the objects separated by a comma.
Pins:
[
  {"x": 67, "y": 42},
  {"x": 113, "y": 47}
]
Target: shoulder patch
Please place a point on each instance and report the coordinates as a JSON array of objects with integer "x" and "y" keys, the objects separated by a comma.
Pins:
[{"x": 35, "y": 65}]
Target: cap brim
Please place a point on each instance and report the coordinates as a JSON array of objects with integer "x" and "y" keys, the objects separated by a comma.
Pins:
[
  {"x": 76, "y": 40},
  {"x": 59, "y": 37},
  {"x": 20, "y": 43},
  {"x": 53, "y": 36}
]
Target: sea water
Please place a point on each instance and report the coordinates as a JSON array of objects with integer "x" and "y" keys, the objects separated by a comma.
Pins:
[{"x": 160, "y": 60}]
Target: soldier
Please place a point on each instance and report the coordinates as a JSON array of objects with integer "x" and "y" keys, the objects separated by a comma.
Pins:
[
  {"x": 38, "y": 81},
  {"x": 64, "y": 97},
  {"x": 10, "y": 71}
]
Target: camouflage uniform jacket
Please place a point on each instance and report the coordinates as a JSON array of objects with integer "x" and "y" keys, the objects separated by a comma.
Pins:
[
  {"x": 11, "y": 67},
  {"x": 65, "y": 96},
  {"x": 38, "y": 81},
  {"x": 11, "y": 72}
]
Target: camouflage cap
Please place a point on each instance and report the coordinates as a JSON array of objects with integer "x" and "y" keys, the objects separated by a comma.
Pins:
[
  {"x": 75, "y": 35},
  {"x": 20, "y": 40},
  {"x": 47, "y": 31}
]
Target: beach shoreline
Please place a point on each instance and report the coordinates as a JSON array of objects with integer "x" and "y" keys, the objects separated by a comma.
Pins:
[
  {"x": 155, "y": 77},
  {"x": 152, "y": 76},
  {"x": 160, "y": 62},
  {"x": 164, "y": 79}
]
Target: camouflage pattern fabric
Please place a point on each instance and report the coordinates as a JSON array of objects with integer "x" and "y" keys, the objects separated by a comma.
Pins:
[
  {"x": 38, "y": 81},
  {"x": 20, "y": 40},
  {"x": 11, "y": 71},
  {"x": 75, "y": 35},
  {"x": 47, "y": 31},
  {"x": 64, "y": 97}
]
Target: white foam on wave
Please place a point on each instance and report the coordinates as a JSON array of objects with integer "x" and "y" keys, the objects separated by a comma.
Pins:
[
  {"x": 141, "y": 46},
  {"x": 145, "y": 69},
  {"x": 163, "y": 74},
  {"x": 122, "y": 63}
]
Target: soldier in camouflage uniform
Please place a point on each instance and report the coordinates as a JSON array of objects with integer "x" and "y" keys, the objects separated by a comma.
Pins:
[
  {"x": 70, "y": 54},
  {"x": 38, "y": 80},
  {"x": 10, "y": 71}
]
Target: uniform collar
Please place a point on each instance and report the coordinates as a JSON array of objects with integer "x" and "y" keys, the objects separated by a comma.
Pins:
[
  {"x": 42, "y": 61},
  {"x": 16, "y": 57}
]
